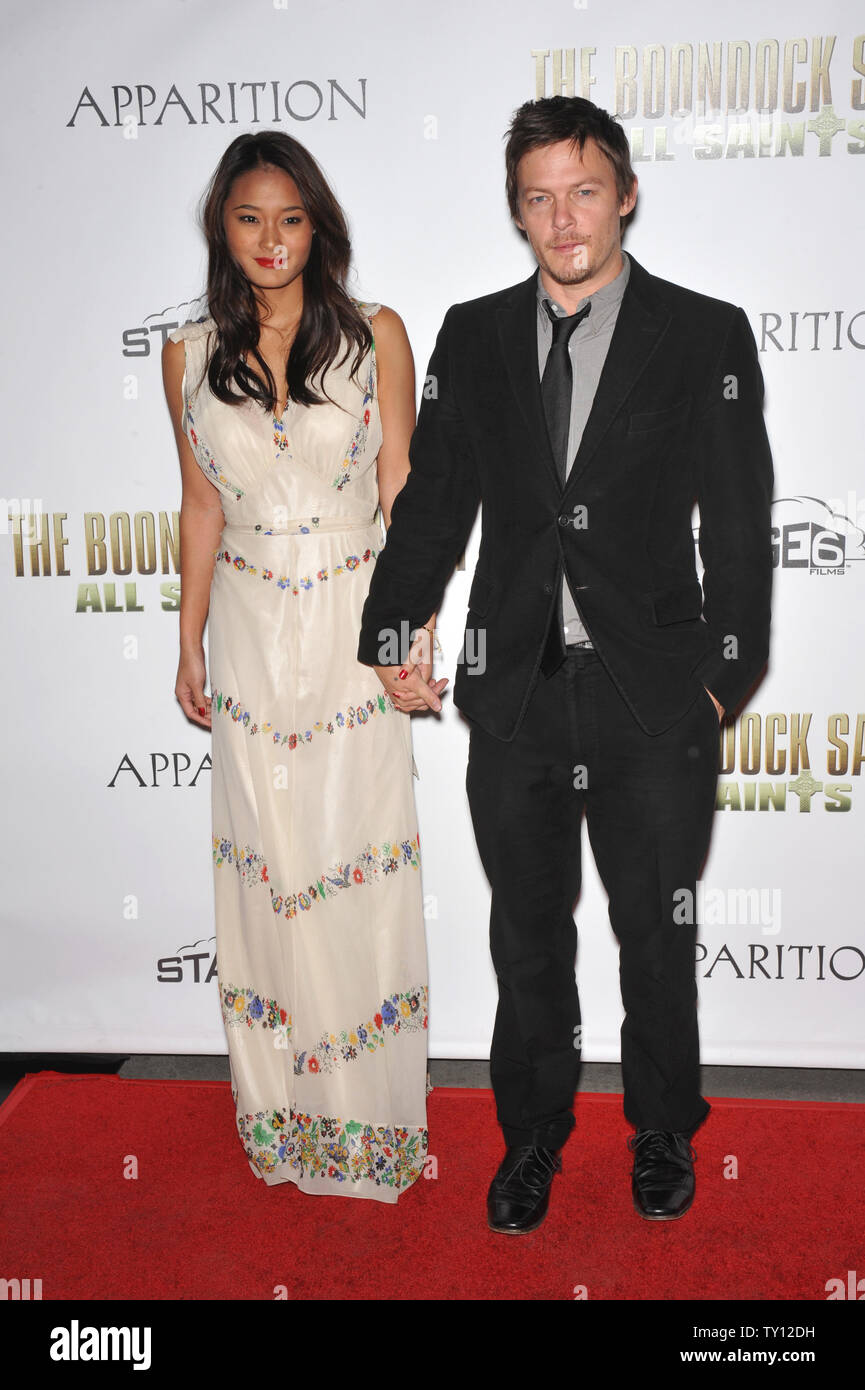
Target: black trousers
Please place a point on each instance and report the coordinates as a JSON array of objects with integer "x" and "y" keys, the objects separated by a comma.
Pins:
[{"x": 649, "y": 803}]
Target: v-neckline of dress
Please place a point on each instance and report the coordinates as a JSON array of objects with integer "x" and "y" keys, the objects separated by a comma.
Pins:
[{"x": 276, "y": 421}]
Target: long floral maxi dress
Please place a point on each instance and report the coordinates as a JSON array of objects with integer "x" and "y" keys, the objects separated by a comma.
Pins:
[{"x": 319, "y": 912}]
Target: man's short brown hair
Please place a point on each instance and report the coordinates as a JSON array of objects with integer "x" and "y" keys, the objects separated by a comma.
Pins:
[{"x": 553, "y": 119}]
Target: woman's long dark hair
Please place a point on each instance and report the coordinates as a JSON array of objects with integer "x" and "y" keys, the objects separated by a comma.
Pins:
[{"x": 328, "y": 316}]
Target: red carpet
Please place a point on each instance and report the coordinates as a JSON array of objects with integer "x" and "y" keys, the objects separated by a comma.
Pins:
[{"x": 196, "y": 1224}]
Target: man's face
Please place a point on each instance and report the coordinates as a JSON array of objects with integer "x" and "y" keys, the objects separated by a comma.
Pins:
[{"x": 569, "y": 209}]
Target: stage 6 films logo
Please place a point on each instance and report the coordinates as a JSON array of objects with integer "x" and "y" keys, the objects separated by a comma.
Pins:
[{"x": 815, "y": 535}]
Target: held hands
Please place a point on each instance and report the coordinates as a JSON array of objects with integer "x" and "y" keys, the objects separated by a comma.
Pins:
[
  {"x": 189, "y": 688},
  {"x": 410, "y": 686}
]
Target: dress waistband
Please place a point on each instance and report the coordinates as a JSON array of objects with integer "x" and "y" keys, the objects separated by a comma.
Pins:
[{"x": 304, "y": 526}]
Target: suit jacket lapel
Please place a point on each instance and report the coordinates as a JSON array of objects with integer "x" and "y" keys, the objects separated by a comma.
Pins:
[{"x": 640, "y": 326}]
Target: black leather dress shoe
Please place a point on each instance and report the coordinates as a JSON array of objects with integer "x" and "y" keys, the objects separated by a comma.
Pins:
[
  {"x": 520, "y": 1191},
  {"x": 662, "y": 1180}
]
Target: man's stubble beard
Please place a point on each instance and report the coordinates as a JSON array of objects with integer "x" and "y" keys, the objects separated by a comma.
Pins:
[
  {"x": 576, "y": 276},
  {"x": 579, "y": 274}
]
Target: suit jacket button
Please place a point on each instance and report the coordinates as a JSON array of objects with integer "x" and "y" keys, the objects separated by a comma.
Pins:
[
  {"x": 548, "y": 588},
  {"x": 564, "y": 521}
]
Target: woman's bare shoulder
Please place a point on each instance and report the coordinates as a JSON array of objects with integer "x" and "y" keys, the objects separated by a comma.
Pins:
[{"x": 389, "y": 327}]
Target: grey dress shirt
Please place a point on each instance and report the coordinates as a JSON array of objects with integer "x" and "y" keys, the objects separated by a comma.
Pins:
[{"x": 588, "y": 350}]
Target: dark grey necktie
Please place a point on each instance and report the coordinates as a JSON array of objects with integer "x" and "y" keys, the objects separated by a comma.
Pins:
[{"x": 557, "y": 384}]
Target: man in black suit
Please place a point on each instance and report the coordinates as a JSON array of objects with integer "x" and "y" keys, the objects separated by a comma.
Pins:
[{"x": 587, "y": 409}]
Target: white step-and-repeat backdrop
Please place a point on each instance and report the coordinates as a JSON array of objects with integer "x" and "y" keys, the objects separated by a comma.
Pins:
[{"x": 747, "y": 126}]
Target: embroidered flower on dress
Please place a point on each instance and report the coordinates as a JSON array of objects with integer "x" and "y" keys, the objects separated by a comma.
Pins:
[
  {"x": 358, "y": 444},
  {"x": 367, "y": 867},
  {"x": 205, "y": 458},
  {"x": 284, "y": 581},
  {"x": 336, "y": 1150},
  {"x": 241, "y": 1005},
  {"x": 355, "y": 715},
  {"x": 249, "y": 865}
]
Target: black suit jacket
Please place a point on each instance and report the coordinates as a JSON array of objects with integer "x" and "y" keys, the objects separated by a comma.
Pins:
[{"x": 677, "y": 418}]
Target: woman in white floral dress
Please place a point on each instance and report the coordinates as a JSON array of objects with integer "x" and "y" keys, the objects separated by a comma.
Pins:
[{"x": 293, "y": 424}]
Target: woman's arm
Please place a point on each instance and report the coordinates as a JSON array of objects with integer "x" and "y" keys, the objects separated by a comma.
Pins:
[
  {"x": 395, "y": 370},
  {"x": 201, "y": 523},
  {"x": 396, "y": 400}
]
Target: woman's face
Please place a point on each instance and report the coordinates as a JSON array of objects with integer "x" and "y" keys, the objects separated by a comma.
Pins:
[{"x": 267, "y": 228}]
